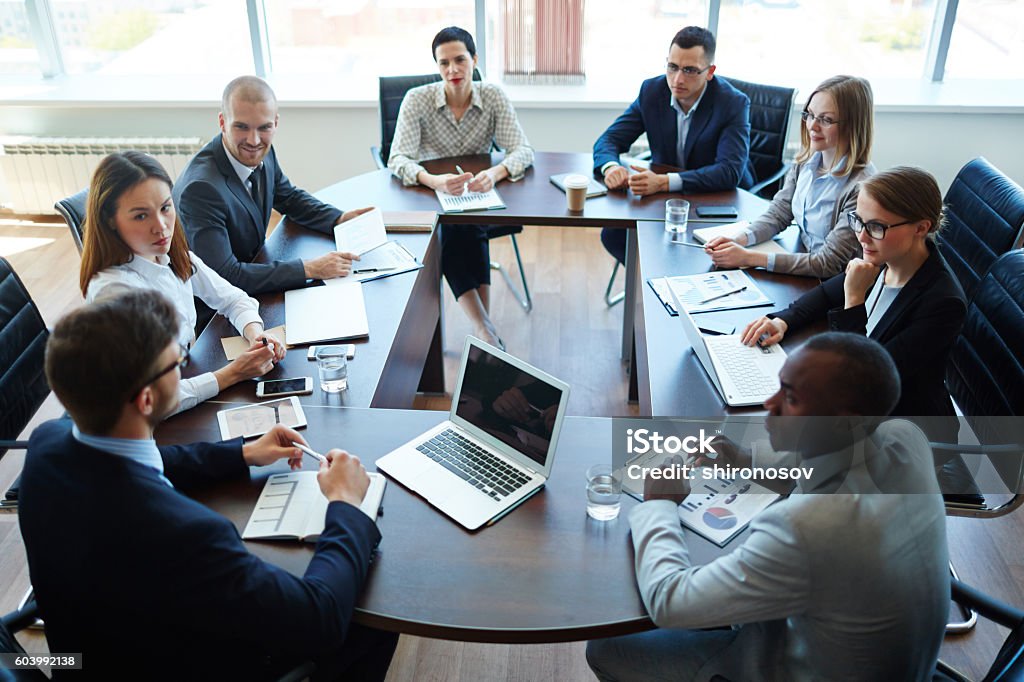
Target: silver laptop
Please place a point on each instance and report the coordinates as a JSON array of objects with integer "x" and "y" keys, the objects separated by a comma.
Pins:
[
  {"x": 743, "y": 375},
  {"x": 497, "y": 446}
]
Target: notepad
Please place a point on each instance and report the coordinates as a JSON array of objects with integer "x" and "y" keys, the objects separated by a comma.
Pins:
[
  {"x": 361, "y": 234},
  {"x": 292, "y": 507},
  {"x": 734, "y": 230},
  {"x": 469, "y": 201},
  {"x": 234, "y": 346},
  {"x": 335, "y": 312}
]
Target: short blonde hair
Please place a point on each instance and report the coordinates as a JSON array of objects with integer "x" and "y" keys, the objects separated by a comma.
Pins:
[{"x": 855, "y": 103}]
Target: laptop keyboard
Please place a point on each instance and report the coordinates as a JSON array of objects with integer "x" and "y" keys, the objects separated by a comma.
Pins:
[
  {"x": 467, "y": 460},
  {"x": 740, "y": 362}
]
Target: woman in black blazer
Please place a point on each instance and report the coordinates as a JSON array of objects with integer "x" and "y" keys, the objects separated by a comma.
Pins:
[{"x": 900, "y": 293}]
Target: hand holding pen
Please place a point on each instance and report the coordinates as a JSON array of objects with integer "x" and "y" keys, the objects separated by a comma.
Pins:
[
  {"x": 341, "y": 477},
  {"x": 455, "y": 184}
]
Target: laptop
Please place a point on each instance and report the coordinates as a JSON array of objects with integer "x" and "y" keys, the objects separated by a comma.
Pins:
[
  {"x": 497, "y": 446},
  {"x": 743, "y": 375}
]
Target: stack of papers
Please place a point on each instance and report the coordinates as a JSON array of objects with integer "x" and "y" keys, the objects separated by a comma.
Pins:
[
  {"x": 732, "y": 231},
  {"x": 366, "y": 237}
]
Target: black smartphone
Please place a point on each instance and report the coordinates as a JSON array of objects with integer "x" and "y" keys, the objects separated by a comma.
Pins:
[{"x": 716, "y": 212}]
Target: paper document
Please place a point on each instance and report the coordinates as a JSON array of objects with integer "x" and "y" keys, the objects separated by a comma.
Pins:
[
  {"x": 390, "y": 258},
  {"x": 720, "y": 508},
  {"x": 361, "y": 234},
  {"x": 469, "y": 201},
  {"x": 328, "y": 313},
  {"x": 292, "y": 507},
  {"x": 707, "y": 291},
  {"x": 236, "y": 345},
  {"x": 734, "y": 230}
]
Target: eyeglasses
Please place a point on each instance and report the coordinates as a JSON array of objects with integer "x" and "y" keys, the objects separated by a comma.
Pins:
[
  {"x": 688, "y": 71},
  {"x": 181, "y": 362},
  {"x": 823, "y": 121},
  {"x": 876, "y": 230}
]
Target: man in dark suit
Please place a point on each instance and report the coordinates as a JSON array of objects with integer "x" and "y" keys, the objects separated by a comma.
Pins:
[
  {"x": 693, "y": 121},
  {"x": 225, "y": 194},
  {"x": 144, "y": 581}
]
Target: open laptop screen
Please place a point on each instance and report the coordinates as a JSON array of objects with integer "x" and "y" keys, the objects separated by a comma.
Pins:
[{"x": 508, "y": 403}]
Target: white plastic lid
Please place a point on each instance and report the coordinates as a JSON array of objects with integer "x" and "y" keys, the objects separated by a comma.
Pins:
[{"x": 576, "y": 181}]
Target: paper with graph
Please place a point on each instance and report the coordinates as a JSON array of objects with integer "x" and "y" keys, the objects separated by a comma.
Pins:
[{"x": 707, "y": 291}]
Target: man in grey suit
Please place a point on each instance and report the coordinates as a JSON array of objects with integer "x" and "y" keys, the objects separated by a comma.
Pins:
[
  {"x": 838, "y": 581},
  {"x": 226, "y": 192}
]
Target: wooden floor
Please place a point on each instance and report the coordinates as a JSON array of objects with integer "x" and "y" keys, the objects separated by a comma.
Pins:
[{"x": 570, "y": 334}]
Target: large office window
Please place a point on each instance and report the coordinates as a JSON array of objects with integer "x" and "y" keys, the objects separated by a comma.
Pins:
[
  {"x": 118, "y": 37},
  {"x": 987, "y": 41},
  {"x": 361, "y": 38},
  {"x": 783, "y": 42},
  {"x": 18, "y": 53}
]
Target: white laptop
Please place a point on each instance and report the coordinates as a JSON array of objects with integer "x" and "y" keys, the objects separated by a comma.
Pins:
[
  {"x": 743, "y": 375},
  {"x": 497, "y": 446}
]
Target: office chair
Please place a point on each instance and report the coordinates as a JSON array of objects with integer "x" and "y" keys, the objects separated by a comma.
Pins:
[
  {"x": 1008, "y": 665},
  {"x": 23, "y": 386},
  {"x": 770, "y": 109},
  {"x": 985, "y": 219},
  {"x": 72, "y": 208},
  {"x": 985, "y": 378},
  {"x": 392, "y": 92}
]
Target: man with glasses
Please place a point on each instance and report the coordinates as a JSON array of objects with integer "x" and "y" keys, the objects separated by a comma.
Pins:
[
  {"x": 693, "y": 121},
  {"x": 134, "y": 575}
]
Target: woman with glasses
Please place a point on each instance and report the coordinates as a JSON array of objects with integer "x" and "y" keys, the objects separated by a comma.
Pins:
[
  {"x": 818, "y": 190},
  {"x": 900, "y": 292},
  {"x": 133, "y": 239}
]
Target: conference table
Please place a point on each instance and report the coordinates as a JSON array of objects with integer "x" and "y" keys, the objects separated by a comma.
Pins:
[{"x": 546, "y": 572}]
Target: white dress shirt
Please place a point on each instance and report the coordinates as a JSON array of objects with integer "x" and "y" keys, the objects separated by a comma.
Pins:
[
  {"x": 211, "y": 288},
  {"x": 683, "y": 119}
]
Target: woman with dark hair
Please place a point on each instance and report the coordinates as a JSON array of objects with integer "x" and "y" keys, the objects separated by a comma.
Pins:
[
  {"x": 900, "y": 293},
  {"x": 133, "y": 239},
  {"x": 819, "y": 190},
  {"x": 455, "y": 117}
]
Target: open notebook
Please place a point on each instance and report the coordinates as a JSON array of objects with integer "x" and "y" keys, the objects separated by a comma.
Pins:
[{"x": 291, "y": 507}]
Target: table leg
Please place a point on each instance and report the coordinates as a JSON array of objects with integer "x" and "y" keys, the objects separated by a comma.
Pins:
[
  {"x": 629, "y": 303},
  {"x": 432, "y": 379}
]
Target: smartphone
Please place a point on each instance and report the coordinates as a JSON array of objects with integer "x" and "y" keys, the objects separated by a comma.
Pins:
[
  {"x": 350, "y": 351},
  {"x": 716, "y": 212},
  {"x": 276, "y": 388},
  {"x": 716, "y": 328}
]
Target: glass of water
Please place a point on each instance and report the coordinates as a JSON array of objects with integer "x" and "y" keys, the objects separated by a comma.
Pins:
[
  {"x": 333, "y": 368},
  {"x": 604, "y": 488},
  {"x": 677, "y": 213}
]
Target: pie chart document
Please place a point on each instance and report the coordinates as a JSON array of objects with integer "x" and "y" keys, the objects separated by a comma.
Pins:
[{"x": 720, "y": 508}]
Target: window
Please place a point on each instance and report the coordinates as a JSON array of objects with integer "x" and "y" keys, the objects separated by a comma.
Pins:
[
  {"x": 153, "y": 36},
  {"x": 18, "y": 53},
  {"x": 787, "y": 42},
  {"x": 364, "y": 38},
  {"x": 988, "y": 40}
]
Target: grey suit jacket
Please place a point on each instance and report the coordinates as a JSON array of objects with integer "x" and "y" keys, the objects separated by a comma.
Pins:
[
  {"x": 227, "y": 229},
  {"x": 841, "y": 245},
  {"x": 849, "y": 585}
]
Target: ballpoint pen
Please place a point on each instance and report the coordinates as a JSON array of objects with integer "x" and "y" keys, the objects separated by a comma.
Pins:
[
  {"x": 308, "y": 451},
  {"x": 723, "y": 295}
]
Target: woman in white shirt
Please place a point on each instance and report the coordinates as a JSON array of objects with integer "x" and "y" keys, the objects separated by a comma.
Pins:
[
  {"x": 819, "y": 190},
  {"x": 133, "y": 239}
]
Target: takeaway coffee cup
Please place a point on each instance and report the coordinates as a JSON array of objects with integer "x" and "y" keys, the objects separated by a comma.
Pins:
[{"x": 576, "y": 191}]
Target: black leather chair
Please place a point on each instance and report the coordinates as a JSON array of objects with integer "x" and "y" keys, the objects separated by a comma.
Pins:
[
  {"x": 23, "y": 386},
  {"x": 392, "y": 92},
  {"x": 985, "y": 219},
  {"x": 770, "y": 109},
  {"x": 1008, "y": 665},
  {"x": 72, "y": 208}
]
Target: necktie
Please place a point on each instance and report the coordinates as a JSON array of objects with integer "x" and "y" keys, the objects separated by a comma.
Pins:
[{"x": 256, "y": 195}]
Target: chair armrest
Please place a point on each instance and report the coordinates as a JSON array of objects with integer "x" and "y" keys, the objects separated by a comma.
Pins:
[
  {"x": 987, "y": 606},
  {"x": 375, "y": 153},
  {"x": 22, "y": 618},
  {"x": 775, "y": 177}
]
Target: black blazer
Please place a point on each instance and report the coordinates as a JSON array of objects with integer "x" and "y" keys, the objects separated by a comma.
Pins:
[
  {"x": 225, "y": 227},
  {"x": 139, "y": 577},
  {"x": 918, "y": 330},
  {"x": 717, "y": 145}
]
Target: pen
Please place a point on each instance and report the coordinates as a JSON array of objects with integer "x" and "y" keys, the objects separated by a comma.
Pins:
[
  {"x": 722, "y": 295},
  {"x": 311, "y": 453},
  {"x": 359, "y": 272}
]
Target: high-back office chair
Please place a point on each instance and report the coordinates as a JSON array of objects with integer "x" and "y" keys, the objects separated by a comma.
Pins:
[
  {"x": 1008, "y": 665},
  {"x": 23, "y": 386},
  {"x": 72, "y": 208},
  {"x": 770, "y": 109},
  {"x": 392, "y": 92},
  {"x": 985, "y": 219}
]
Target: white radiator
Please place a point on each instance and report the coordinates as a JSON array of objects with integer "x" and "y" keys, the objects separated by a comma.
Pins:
[{"x": 37, "y": 171}]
